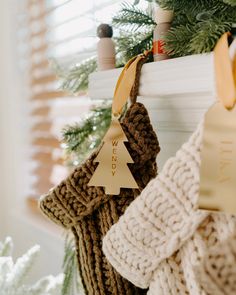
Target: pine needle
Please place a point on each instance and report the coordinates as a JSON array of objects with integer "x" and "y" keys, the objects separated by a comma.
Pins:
[
  {"x": 72, "y": 284},
  {"x": 81, "y": 139},
  {"x": 230, "y": 2},
  {"x": 129, "y": 45},
  {"x": 75, "y": 79},
  {"x": 207, "y": 34},
  {"x": 132, "y": 18},
  {"x": 177, "y": 41},
  {"x": 191, "y": 7}
]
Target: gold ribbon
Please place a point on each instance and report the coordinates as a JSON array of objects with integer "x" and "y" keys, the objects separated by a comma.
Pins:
[
  {"x": 125, "y": 83},
  {"x": 225, "y": 73},
  {"x": 234, "y": 70}
]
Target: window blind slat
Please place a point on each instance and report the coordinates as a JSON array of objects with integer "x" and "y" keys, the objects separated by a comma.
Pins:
[
  {"x": 43, "y": 173},
  {"x": 38, "y": 34},
  {"x": 39, "y": 4},
  {"x": 45, "y": 157},
  {"x": 43, "y": 80},
  {"x": 46, "y": 141},
  {"x": 49, "y": 95},
  {"x": 42, "y": 111},
  {"x": 40, "y": 185},
  {"x": 42, "y": 126},
  {"x": 42, "y": 48},
  {"x": 39, "y": 66}
]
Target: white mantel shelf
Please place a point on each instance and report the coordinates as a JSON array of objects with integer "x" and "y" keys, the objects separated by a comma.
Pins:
[{"x": 176, "y": 92}]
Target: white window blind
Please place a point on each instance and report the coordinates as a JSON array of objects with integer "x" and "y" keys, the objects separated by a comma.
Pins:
[{"x": 64, "y": 30}]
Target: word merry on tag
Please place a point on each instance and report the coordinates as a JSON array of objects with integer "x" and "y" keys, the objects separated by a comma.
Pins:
[
  {"x": 218, "y": 161},
  {"x": 113, "y": 171}
]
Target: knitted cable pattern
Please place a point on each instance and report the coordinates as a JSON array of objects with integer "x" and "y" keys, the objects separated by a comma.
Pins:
[
  {"x": 90, "y": 213},
  {"x": 217, "y": 273},
  {"x": 162, "y": 239}
]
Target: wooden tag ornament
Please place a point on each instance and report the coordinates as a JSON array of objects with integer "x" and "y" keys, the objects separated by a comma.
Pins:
[
  {"x": 218, "y": 158},
  {"x": 113, "y": 171}
]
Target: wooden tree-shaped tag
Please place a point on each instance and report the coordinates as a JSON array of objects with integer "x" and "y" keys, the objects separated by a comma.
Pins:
[
  {"x": 217, "y": 190},
  {"x": 218, "y": 160},
  {"x": 113, "y": 171}
]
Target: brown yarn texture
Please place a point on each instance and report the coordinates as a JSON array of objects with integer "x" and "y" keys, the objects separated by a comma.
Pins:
[{"x": 90, "y": 213}]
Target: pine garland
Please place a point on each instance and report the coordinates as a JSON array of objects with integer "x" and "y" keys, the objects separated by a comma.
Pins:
[
  {"x": 180, "y": 40},
  {"x": 75, "y": 79},
  {"x": 14, "y": 275},
  {"x": 72, "y": 284},
  {"x": 197, "y": 24},
  {"x": 207, "y": 35},
  {"x": 6, "y": 247},
  {"x": 191, "y": 7},
  {"x": 131, "y": 45},
  {"x": 132, "y": 17},
  {"x": 136, "y": 31},
  {"x": 230, "y": 2},
  {"x": 196, "y": 27},
  {"x": 81, "y": 139}
]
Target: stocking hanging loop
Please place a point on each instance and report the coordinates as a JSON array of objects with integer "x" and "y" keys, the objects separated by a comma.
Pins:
[
  {"x": 225, "y": 80},
  {"x": 128, "y": 82}
]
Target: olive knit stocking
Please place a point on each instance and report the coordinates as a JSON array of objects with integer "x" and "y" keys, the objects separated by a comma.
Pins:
[{"x": 90, "y": 213}]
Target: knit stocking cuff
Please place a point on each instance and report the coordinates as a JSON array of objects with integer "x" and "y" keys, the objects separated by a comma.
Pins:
[{"x": 52, "y": 206}]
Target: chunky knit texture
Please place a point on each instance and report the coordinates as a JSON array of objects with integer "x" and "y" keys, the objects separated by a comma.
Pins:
[
  {"x": 217, "y": 273},
  {"x": 90, "y": 213},
  {"x": 163, "y": 242}
]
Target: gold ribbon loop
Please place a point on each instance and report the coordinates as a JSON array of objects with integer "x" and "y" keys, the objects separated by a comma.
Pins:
[
  {"x": 234, "y": 70},
  {"x": 125, "y": 83},
  {"x": 225, "y": 73}
]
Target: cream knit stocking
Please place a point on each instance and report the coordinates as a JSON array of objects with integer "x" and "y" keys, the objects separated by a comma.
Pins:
[{"x": 162, "y": 240}]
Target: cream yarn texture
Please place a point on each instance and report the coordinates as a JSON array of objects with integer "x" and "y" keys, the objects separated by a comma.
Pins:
[{"x": 163, "y": 242}]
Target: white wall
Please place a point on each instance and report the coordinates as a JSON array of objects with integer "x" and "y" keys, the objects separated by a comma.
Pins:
[{"x": 15, "y": 219}]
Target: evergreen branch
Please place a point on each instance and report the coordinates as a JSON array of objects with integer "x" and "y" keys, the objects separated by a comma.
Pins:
[
  {"x": 22, "y": 267},
  {"x": 129, "y": 45},
  {"x": 133, "y": 18},
  {"x": 14, "y": 276},
  {"x": 82, "y": 138},
  {"x": 6, "y": 247},
  {"x": 76, "y": 79},
  {"x": 192, "y": 7},
  {"x": 75, "y": 135},
  {"x": 136, "y": 2},
  {"x": 47, "y": 285},
  {"x": 229, "y": 15},
  {"x": 177, "y": 41},
  {"x": 200, "y": 37},
  {"x": 71, "y": 284},
  {"x": 196, "y": 27},
  {"x": 207, "y": 34},
  {"x": 230, "y": 2},
  {"x": 69, "y": 269}
]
